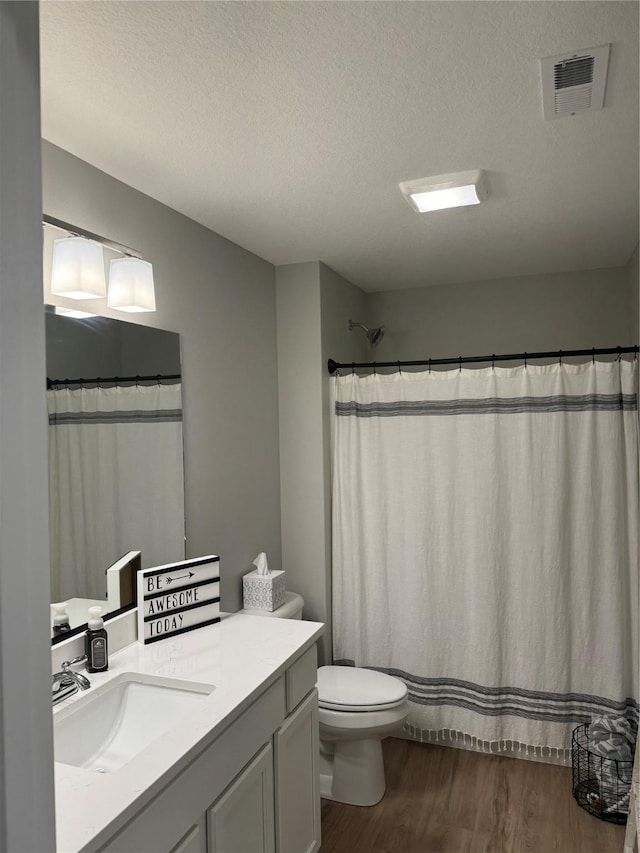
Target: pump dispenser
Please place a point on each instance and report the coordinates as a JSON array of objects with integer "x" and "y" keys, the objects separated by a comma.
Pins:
[
  {"x": 96, "y": 647},
  {"x": 61, "y": 619}
]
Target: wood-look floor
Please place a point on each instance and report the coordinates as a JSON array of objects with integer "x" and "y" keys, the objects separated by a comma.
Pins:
[{"x": 443, "y": 800}]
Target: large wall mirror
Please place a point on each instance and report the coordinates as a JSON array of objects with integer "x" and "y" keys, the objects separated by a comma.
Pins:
[{"x": 116, "y": 487}]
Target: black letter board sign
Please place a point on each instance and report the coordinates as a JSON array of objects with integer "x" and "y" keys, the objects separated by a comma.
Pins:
[{"x": 178, "y": 597}]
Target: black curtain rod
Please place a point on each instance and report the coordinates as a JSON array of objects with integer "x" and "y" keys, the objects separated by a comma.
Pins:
[
  {"x": 470, "y": 359},
  {"x": 113, "y": 380}
]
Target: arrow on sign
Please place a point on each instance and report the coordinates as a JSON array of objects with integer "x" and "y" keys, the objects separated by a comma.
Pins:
[{"x": 179, "y": 577}]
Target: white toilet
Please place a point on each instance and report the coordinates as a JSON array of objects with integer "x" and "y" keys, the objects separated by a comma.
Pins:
[{"x": 357, "y": 708}]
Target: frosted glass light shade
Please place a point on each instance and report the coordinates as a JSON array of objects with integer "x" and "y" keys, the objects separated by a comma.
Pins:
[
  {"x": 77, "y": 270},
  {"x": 442, "y": 199},
  {"x": 438, "y": 193},
  {"x": 131, "y": 285}
]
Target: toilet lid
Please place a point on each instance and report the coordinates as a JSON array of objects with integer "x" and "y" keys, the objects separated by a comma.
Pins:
[{"x": 351, "y": 688}]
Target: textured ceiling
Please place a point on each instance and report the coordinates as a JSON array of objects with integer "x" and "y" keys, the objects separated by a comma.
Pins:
[{"x": 286, "y": 127}]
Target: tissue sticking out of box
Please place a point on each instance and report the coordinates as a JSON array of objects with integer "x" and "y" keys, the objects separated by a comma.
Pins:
[
  {"x": 261, "y": 564},
  {"x": 263, "y": 591}
]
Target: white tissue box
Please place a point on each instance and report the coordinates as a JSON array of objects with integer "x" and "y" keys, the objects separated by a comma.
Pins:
[{"x": 263, "y": 592}]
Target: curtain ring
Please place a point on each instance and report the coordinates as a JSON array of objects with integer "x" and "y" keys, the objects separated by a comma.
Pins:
[
  {"x": 493, "y": 361},
  {"x": 116, "y": 380},
  {"x": 619, "y": 348},
  {"x": 137, "y": 381},
  {"x": 98, "y": 381},
  {"x": 158, "y": 377},
  {"x": 353, "y": 368},
  {"x": 399, "y": 369},
  {"x": 66, "y": 384},
  {"x": 593, "y": 355},
  {"x": 429, "y": 365},
  {"x": 525, "y": 361},
  {"x": 374, "y": 368},
  {"x": 559, "y": 356},
  {"x": 460, "y": 363}
]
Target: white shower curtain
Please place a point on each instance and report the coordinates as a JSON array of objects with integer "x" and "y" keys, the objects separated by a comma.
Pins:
[
  {"x": 485, "y": 536},
  {"x": 115, "y": 482}
]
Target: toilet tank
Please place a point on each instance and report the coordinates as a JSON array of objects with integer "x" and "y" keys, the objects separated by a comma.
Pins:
[{"x": 291, "y": 609}]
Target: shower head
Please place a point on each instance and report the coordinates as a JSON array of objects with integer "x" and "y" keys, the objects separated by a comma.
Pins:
[{"x": 374, "y": 335}]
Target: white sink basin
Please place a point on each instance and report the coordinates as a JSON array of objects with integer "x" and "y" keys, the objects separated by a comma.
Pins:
[{"x": 113, "y": 723}]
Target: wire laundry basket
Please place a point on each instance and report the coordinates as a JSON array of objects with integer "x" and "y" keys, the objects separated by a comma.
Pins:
[{"x": 601, "y": 786}]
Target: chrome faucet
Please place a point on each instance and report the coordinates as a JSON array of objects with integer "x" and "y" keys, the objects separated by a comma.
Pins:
[{"x": 66, "y": 682}]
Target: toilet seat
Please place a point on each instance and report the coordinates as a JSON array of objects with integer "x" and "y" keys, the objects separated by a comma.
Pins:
[{"x": 356, "y": 690}]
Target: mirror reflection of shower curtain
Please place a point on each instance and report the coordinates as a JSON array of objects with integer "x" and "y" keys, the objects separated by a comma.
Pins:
[
  {"x": 115, "y": 482},
  {"x": 485, "y": 547}
]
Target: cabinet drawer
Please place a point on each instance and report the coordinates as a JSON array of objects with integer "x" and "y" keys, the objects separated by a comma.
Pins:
[{"x": 301, "y": 678}]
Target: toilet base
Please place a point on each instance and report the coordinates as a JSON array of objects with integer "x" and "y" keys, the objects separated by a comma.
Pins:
[{"x": 352, "y": 771}]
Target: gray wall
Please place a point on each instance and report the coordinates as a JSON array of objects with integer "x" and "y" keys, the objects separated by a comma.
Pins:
[
  {"x": 301, "y": 443},
  {"x": 633, "y": 273},
  {"x": 314, "y": 307},
  {"x": 26, "y": 743},
  {"x": 574, "y": 310},
  {"x": 221, "y": 299},
  {"x": 340, "y": 301}
]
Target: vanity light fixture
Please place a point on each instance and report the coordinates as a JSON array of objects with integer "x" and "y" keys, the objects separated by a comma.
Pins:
[
  {"x": 437, "y": 193},
  {"x": 78, "y": 270},
  {"x": 131, "y": 285}
]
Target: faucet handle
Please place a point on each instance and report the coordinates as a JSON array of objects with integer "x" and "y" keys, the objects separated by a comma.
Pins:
[
  {"x": 81, "y": 680},
  {"x": 67, "y": 663}
]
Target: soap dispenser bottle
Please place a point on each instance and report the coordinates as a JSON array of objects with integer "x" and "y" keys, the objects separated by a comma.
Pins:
[
  {"x": 96, "y": 647},
  {"x": 61, "y": 619}
]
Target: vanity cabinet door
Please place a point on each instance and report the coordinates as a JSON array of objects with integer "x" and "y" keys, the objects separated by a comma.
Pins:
[
  {"x": 195, "y": 841},
  {"x": 241, "y": 820},
  {"x": 298, "y": 780}
]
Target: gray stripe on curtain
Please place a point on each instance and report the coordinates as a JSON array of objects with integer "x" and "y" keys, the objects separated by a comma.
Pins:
[
  {"x": 138, "y": 416},
  {"x": 492, "y": 701},
  {"x": 491, "y": 406}
]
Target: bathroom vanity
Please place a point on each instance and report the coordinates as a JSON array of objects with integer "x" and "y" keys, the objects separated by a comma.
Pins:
[{"x": 237, "y": 770}]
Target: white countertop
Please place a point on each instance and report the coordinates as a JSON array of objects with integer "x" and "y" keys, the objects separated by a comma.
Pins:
[{"x": 240, "y": 656}]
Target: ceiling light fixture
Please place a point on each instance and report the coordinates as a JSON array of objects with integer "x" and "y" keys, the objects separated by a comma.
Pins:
[
  {"x": 78, "y": 270},
  {"x": 455, "y": 190}
]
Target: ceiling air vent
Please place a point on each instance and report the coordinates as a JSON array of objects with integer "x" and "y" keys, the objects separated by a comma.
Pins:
[{"x": 574, "y": 82}]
